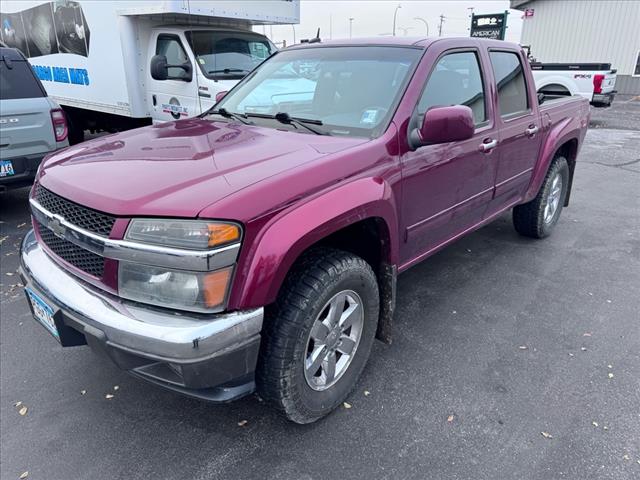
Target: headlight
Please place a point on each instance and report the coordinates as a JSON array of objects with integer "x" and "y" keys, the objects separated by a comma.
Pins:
[
  {"x": 198, "y": 291},
  {"x": 191, "y": 234},
  {"x": 194, "y": 291}
]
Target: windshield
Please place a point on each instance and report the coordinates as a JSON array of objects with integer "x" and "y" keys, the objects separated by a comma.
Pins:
[
  {"x": 350, "y": 91},
  {"x": 228, "y": 55}
]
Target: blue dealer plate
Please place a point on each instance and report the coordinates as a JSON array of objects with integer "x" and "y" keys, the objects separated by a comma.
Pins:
[
  {"x": 6, "y": 168},
  {"x": 42, "y": 312}
]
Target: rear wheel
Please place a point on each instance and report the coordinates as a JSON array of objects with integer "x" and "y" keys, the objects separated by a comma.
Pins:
[
  {"x": 537, "y": 218},
  {"x": 318, "y": 336}
]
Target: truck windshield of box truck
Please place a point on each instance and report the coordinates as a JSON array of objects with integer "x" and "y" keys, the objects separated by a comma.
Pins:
[{"x": 228, "y": 55}]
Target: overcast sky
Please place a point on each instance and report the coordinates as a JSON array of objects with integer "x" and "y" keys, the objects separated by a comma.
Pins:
[{"x": 375, "y": 17}]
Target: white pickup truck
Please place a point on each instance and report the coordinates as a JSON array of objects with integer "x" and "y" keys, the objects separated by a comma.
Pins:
[
  {"x": 593, "y": 81},
  {"x": 119, "y": 65}
]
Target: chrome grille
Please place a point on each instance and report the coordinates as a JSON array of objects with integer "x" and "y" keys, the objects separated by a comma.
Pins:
[
  {"x": 92, "y": 220},
  {"x": 80, "y": 258}
]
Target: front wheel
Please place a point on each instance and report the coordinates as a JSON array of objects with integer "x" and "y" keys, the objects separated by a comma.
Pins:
[
  {"x": 318, "y": 336},
  {"x": 537, "y": 218}
]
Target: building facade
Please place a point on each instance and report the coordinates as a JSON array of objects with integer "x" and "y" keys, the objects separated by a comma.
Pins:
[{"x": 582, "y": 31}]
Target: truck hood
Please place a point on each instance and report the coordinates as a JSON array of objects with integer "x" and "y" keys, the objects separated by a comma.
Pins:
[{"x": 178, "y": 168}]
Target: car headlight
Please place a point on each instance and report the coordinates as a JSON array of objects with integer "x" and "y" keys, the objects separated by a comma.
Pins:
[
  {"x": 194, "y": 291},
  {"x": 201, "y": 291},
  {"x": 191, "y": 234}
]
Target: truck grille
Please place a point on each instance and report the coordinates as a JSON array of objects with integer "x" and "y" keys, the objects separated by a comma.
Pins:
[
  {"x": 83, "y": 217},
  {"x": 80, "y": 258}
]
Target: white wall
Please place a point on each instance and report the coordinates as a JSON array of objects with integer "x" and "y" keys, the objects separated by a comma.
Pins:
[{"x": 584, "y": 31}]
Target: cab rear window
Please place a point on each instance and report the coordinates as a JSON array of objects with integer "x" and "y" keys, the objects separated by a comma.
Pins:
[{"x": 17, "y": 80}]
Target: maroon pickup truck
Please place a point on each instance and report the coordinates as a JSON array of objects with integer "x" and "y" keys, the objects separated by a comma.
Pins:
[{"x": 256, "y": 248}]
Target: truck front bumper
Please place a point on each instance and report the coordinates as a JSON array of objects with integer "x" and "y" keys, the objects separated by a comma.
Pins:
[{"x": 212, "y": 357}]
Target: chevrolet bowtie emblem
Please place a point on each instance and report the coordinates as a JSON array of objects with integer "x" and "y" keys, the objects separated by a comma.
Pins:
[{"x": 56, "y": 226}]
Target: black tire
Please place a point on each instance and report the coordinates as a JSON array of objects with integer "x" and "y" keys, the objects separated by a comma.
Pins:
[
  {"x": 529, "y": 218},
  {"x": 280, "y": 377},
  {"x": 76, "y": 129}
]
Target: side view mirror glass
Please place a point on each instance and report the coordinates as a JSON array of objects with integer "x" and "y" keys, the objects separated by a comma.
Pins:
[
  {"x": 160, "y": 69},
  {"x": 443, "y": 125}
]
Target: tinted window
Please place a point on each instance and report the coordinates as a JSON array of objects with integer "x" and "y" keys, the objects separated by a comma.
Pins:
[
  {"x": 512, "y": 88},
  {"x": 637, "y": 70},
  {"x": 456, "y": 80},
  {"x": 170, "y": 46},
  {"x": 18, "y": 81}
]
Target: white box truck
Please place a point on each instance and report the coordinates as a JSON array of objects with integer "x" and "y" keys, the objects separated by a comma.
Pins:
[{"x": 114, "y": 65}]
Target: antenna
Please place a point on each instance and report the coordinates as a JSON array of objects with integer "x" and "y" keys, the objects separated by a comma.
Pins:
[{"x": 316, "y": 39}]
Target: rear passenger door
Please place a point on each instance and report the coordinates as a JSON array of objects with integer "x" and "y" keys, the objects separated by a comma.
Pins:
[
  {"x": 520, "y": 128},
  {"x": 447, "y": 187}
]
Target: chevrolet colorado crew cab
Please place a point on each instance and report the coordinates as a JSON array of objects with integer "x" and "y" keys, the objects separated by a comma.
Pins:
[{"x": 256, "y": 248}]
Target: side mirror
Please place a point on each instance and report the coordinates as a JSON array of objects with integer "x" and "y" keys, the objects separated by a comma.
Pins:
[
  {"x": 443, "y": 125},
  {"x": 221, "y": 95},
  {"x": 541, "y": 98},
  {"x": 160, "y": 69}
]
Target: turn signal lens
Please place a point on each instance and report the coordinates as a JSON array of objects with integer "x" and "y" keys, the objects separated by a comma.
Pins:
[
  {"x": 214, "y": 287},
  {"x": 221, "y": 233}
]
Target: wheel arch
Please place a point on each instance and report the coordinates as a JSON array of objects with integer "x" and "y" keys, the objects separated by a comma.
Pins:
[
  {"x": 562, "y": 140},
  {"x": 359, "y": 217}
]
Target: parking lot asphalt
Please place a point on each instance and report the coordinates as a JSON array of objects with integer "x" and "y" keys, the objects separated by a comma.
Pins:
[{"x": 512, "y": 359}]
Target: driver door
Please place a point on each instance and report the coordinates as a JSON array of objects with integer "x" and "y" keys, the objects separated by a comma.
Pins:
[
  {"x": 447, "y": 187},
  {"x": 175, "y": 97}
]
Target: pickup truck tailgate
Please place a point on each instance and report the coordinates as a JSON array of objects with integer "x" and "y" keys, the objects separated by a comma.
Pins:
[{"x": 609, "y": 82}]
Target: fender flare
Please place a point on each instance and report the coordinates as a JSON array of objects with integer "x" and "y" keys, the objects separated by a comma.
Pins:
[
  {"x": 289, "y": 234},
  {"x": 563, "y": 132}
]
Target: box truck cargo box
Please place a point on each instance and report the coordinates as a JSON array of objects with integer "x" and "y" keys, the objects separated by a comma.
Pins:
[{"x": 96, "y": 58}]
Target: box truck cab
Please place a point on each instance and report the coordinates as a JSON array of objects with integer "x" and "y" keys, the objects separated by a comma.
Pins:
[
  {"x": 119, "y": 65},
  {"x": 188, "y": 66}
]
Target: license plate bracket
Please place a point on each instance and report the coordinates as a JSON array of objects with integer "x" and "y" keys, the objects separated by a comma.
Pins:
[{"x": 51, "y": 318}]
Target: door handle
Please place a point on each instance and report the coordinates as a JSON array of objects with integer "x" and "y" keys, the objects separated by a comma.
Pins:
[
  {"x": 532, "y": 130},
  {"x": 487, "y": 146},
  {"x": 154, "y": 100}
]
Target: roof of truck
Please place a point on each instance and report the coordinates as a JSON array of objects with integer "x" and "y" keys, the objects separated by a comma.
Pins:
[{"x": 422, "y": 42}]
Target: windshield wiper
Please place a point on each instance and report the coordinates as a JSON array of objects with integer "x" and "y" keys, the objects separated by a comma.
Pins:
[
  {"x": 223, "y": 112},
  {"x": 228, "y": 70},
  {"x": 284, "y": 117}
]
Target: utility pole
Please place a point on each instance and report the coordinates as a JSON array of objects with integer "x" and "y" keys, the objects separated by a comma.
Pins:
[
  {"x": 395, "y": 14},
  {"x": 351, "y": 27},
  {"x": 440, "y": 26},
  {"x": 330, "y": 26}
]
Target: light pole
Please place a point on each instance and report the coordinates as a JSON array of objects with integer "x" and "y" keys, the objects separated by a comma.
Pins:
[
  {"x": 420, "y": 19},
  {"x": 395, "y": 14},
  {"x": 405, "y": 30},
  {"x": 351, "y": 19},
  {"x": 294, "y": 33}
]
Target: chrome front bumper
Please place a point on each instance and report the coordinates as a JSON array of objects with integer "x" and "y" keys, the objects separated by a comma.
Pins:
[{"x": 149, "y": 341}]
